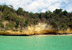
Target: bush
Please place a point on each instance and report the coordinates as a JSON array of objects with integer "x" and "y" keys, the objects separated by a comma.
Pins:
[{"x": 1, "y": 25}]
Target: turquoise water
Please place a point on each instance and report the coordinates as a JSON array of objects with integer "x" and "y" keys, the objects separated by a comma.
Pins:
[{"x": 35, "y": 42}]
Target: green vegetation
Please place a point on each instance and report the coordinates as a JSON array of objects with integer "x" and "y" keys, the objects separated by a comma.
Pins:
[{"x": 19, "y": 19}]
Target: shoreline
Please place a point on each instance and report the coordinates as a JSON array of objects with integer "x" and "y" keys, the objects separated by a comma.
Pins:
[
  {"x": 56, "y": 35},
  {"x": 31, "y": 33},
  {"x": 36, "y": 34}
]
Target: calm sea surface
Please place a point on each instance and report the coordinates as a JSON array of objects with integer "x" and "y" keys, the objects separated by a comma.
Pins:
[{"x": 35, "y": 42}]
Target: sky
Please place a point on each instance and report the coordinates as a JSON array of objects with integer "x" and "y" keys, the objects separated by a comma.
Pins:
[{"x": 37, "y": 6}]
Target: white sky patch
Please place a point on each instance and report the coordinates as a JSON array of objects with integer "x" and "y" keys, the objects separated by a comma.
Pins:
[
  {"x": 38, "y": 5},
  {"x": 69, "y": 8},
  {"x": 44, "y": 10},
  {"x": 54, "y": 6}
]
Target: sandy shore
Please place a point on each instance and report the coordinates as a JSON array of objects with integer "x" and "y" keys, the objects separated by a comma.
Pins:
[{"x": 56, "y": 35}]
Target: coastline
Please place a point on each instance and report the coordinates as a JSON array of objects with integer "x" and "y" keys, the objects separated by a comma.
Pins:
[
  {"x": 56, "y": 35},
  {"x": 18, "y": 33},
  {"x": 31, "y": 31},
  {"x": 36, "y": 35}
]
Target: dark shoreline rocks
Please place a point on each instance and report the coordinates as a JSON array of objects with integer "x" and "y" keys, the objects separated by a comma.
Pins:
[{"x": 31, "y": 35}]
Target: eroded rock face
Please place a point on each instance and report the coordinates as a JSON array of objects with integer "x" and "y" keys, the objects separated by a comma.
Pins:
[{"x": 40, "y": 28}]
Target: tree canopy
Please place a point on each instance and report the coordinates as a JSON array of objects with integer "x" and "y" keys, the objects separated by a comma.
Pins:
[{"x": 58, "y": 18}]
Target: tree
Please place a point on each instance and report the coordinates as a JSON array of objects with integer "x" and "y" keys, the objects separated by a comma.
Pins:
[
  {"x": 57, "y": 11},
  {"x": 12, "y": 16},
  {"x": 31, "y": 15},
  {"x": 1, "y": 7},
  {"x": 10, "y": 25},
  {"x": 18, "y": 20},
  {"x": 65, "y": 12},
  {"x": 6, "y": 11},
  {"x": 48, "y": 14},
  {"x": 20, "y": 11},
  {"x": 1, "y": 25}
]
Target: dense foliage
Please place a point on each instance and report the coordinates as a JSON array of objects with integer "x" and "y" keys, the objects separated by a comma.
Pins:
[{"x": 59, "y": 19}]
